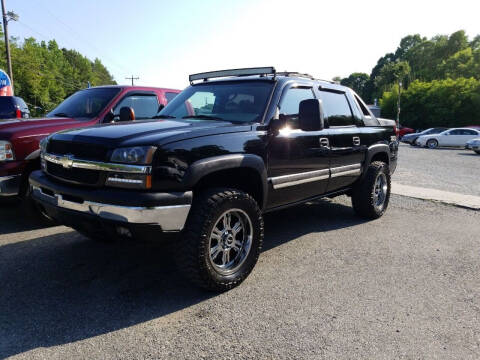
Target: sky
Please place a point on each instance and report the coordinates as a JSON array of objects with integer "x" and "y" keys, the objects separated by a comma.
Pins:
[{"x": 162, "y": 42}]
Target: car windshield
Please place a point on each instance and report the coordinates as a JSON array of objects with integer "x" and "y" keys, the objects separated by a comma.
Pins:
[
  {"x": 238, "y": 102},
  {"x": 86, "y": 103}
]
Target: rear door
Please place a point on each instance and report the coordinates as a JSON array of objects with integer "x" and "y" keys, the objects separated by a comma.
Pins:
[
  {"x": 298, "y": 160},
  {"x": 346, "y": 149}
]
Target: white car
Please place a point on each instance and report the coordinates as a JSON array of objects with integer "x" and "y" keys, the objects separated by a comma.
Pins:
[
  {"x": 457, "y": 137},
  {"x": 474, "y": 145}
]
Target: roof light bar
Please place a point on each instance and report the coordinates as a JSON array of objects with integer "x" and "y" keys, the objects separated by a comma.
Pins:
[{"x": 232, "y": 72}]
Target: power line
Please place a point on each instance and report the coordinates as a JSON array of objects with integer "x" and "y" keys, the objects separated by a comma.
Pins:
[
  {"x": 132, "y": 78},
  {"x": 72, "y": 31}
]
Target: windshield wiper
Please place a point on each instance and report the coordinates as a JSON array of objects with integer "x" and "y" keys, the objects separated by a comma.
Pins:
[
  {"x": 163, "y": 117},
  {"x": 206, "y": 117},
  {"x": 61, "y": 114}
]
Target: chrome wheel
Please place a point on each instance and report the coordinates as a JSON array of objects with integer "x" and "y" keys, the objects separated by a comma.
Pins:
[
  {"x": 380, "y": 190},
  {"x": 230, "y": 241}
]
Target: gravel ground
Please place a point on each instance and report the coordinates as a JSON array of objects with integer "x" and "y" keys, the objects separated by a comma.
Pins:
[
  {"x": 328, "y": 285},
  {"x": 454, "y": 170}
]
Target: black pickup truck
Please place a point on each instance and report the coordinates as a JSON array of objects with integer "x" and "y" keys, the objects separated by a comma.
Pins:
[{"x": 232, "y": 146}]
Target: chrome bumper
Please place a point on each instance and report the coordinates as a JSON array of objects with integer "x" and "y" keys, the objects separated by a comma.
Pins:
[
  {"x": 10, "y": 185},
  {"x": 170, "y": 218}
]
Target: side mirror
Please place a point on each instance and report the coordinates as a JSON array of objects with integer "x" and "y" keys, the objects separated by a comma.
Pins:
[
  {"x": 310, "y": 115},
  {"x": 127, "y": 114},
  {"x": 109, "y": 117}
]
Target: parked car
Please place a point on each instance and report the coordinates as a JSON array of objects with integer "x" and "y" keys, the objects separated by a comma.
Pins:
[
  {"x": 403, "y": 130},
  {"x": 13, "y": 107},
  {"x": 457, "y": 137},
  {"x": 19, "y": 138},
  {"x": 474, "y": 145},
  {"x": 256, "y": 142},
  {"x": 412, "y": 138}
]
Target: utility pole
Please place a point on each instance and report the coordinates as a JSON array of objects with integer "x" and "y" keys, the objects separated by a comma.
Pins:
[
  {"x": 129, "y": 78},
  {"x": 398, "y": 103},
  {"x": 7, "y": 16}
]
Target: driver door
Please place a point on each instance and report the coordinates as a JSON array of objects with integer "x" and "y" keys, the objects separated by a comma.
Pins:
[{"x": 298, "y": 160}]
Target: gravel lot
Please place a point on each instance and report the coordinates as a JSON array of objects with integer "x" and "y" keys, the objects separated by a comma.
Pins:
[
  {"x": 327, "y": 285},
  {"x": 454, "y": 170}
]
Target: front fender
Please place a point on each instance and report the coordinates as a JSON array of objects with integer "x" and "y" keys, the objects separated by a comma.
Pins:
[{"x": 204, "y": 167}]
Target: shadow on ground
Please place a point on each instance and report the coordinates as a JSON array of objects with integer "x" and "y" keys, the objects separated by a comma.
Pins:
[
  {"x": 64, "y": 288},
  {"x": 14, "y": 217}
]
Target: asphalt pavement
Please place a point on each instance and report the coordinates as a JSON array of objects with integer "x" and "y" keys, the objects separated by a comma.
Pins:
[
  {"x": 448, "y": 169},
  {"x": 328, "y": 285}
]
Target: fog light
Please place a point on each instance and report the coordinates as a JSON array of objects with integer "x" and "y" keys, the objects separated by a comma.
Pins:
[{"x": 123, "y": 231}]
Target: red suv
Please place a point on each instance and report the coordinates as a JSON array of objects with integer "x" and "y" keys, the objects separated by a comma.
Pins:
[{"x": 19, "y": 138}]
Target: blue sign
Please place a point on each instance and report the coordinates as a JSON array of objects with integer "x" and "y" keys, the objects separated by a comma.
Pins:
[{"x": 5, "y": 84}]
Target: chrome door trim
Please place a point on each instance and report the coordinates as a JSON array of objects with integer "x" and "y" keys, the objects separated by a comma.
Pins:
[
  {"x": 279, "y": 182},
  {"x": 348, "y": 170}
]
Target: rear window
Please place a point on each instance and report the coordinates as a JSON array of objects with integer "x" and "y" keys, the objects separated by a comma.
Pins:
[
  {"x": 336, "y": 109},
  {"x": 170, "y": 96}
]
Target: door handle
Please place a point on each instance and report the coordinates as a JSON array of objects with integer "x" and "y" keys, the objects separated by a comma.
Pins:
[
  {"x": 356, "y": 140},
  {"x": 324, "y": 142}
]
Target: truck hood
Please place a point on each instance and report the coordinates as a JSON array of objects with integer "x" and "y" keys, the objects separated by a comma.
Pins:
[
  {"x": 158, "y": 132},
  {"x": 37, "y": 126}
]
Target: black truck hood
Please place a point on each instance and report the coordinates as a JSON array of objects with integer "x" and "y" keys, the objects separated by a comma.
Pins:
[{"x": 157, "y": 132}]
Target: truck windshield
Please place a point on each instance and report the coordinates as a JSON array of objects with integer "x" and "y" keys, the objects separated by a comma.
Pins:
[
  {"x": 86, "y": 103},
  {"x": 236, "y": 101}
]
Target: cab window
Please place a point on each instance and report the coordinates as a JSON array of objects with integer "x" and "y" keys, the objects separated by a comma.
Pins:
[
  {"x": 290, "y": 104},
  {"x": 336, "y": 109},
  {"x": 144, "y": 106}
]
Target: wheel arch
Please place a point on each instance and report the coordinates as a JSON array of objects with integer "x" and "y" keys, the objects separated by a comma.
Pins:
[
  {"x": 377, "y": 152},
  {"x": 247, "y": 172}
]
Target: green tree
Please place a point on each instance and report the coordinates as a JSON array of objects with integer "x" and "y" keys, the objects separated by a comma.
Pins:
[{"x": 358, "y": 82}]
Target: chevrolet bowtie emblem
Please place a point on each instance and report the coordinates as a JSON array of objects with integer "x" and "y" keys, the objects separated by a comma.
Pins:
[{"x": 67, "y": 161}]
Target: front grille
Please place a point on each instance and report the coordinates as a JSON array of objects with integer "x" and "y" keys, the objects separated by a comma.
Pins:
[
  {"x": 81, "y": 176},
  {"x": 78, "y": 150}
]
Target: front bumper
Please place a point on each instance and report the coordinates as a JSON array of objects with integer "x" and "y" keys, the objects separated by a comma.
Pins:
[
  {"x": 168, "y": 211},
  {"x": 10, "y": 185}
]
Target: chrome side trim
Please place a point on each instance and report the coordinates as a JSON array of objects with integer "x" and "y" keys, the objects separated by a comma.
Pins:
[
  {"x": 279, "y": 182},
  {"x": 10, "y": 185},
  {"x": 283, "y": 181},
  {"x": 170, "y": 218},
  {"x": 70, "y": 162},
  {"x": 348, "y": 170}
]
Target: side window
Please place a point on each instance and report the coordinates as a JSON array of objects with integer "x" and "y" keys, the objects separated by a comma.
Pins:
[
  {"x": 144, "y": 106},
  {"x": 456, "y": 132},
  {"x": 170, "y": 96},
  {"x": 336, "y": 109},
  {"x": 469, "y": 132},
  {"x": 290, "y": 104}
]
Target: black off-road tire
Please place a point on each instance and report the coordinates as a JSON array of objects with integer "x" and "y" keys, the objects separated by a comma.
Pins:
[
  {"x": 363, "y": 194},
  {"x": 192, "y": 255}
]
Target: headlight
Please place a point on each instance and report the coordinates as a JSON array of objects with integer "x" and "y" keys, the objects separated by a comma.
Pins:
[
  {"x": 141, "y": 155},
  {"x": 6, "y": 151},
  {"x": 44, "y": 144}
]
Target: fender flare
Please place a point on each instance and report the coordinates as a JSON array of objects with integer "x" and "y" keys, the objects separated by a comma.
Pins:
[
  {"x": 204, "y": 167},
  {"x": 372, "y": 151}
]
